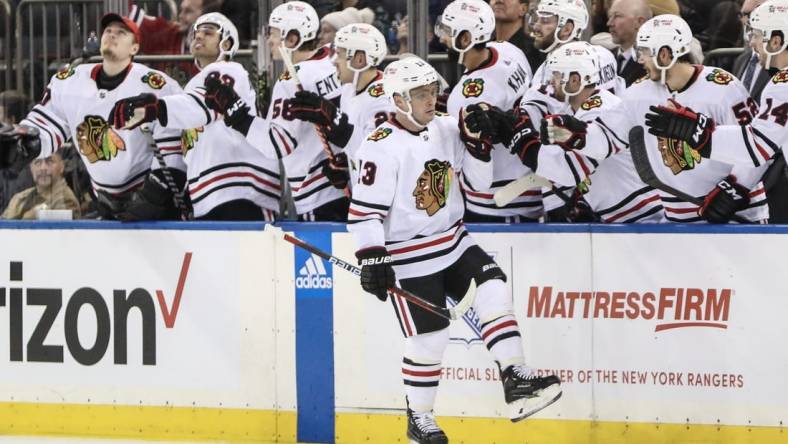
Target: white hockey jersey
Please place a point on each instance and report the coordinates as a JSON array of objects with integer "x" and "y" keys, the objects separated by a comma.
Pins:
[
  {"x": 608, "y": 69},
  {"x": 500, "y": 81},
  {"x": 408, "y": 197},
  {"x": 765, "y": 136},
  {"x": 365, "y": 111},
  {"x": 311, "y": 188},
  {"x": 711, "y": 91},
  {"x": 611, "y": 187},
  {"x": 221, "y": 163},
  {"x": 74, "y": 106}
]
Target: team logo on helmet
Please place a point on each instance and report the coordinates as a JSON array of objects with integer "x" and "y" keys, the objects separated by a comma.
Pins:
[
  {"x": 719, "y": 77},
  {"x": 379, "y": 134},
  {"x": 433, "y": 186},
  {"x": 154, "y": 80},
  {"x": 376, "y": 90},
  {"x": 65, "y": 73},
  {"x": 97, "y": 140},
  {"x": 472, "y": 87},
  {"x": 189, "y": 137},
  {"x": 781, "y": 77},
  {"x": 591, "y": 103}
]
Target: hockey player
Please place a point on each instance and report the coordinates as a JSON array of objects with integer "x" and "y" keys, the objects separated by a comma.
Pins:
[
  {"x": 663, "y": 46},
  {"x": 611, "y": 187},
  {"x": 496, "y": 73},
  {"x": 406, "y": 220},
  {"x": 758, "y": 142},
  {"x": 129, "y": 183},
  {"x": 557, "y": 22},
  {"x": 229, "y": 179}
]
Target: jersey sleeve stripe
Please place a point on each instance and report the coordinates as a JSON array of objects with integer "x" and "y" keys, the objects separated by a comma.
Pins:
[
  {"x": 54, "y": 142},
  {"x": 607, "y": 130},
  {"x": 208, "y": 117},
  {"x": 572, "y": 168},
  {"x": 40, "y": 111},
  {"x": 384, "y": 208},
  {"x": 748, "y": 145}
]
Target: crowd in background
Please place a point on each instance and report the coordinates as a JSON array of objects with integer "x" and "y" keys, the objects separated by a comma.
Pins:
[{"x": 61, "y": 182}]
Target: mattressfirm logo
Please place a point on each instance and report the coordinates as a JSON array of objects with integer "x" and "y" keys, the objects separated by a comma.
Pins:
[
  {"x": 672, "y": 307},
  {"x": 313, "y": 274}
]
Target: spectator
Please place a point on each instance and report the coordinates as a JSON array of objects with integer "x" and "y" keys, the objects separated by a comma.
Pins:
[
  {"x": 659, "y": 7},
  {"x": 243, "y": 14},
  {"x": 334, "y": 21},
  {"x": 746, "y": 66},
  {"x": 625, "y": 18},
  {"x": 509, "y": 26},
  {"x": 723, "y": 29},
  {"x": 13, "y": 108},
  {"x": 50, "y": 191}
]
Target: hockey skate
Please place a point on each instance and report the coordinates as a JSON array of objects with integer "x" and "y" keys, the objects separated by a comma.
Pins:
[
  {"x": 526, "y": 393},
  {"x": 422, "y": 429}
]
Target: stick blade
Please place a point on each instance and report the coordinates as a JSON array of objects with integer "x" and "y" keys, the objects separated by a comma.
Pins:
[{"x": 505, "y": 195}]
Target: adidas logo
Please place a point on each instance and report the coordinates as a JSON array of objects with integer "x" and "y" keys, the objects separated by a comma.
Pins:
[{"x": 313, "y": 274}]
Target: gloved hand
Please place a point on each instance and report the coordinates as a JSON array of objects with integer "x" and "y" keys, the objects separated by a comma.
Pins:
[
  {"x": 154, "y": 201},
  {"x": 490, "y": 122},
  {"x": 724, "y": 200},
  {"x": 477, "y": 144},
  {"x": 131, "y": 112},
  {"x": 220, "y": 96},
  {"x": 336, "y": 171},
  {"x": 311, "y": 107},
  {"x": 563, "y": 130},
  {"x": 18, "y": 146},
  {"x": 679, "y": 122},
  {"x": 377, "y": 274}
]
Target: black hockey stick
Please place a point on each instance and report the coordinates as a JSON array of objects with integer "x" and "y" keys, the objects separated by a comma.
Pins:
[
  {"x": 637, "y": 147},
  {"x": 451, "y": 313}
]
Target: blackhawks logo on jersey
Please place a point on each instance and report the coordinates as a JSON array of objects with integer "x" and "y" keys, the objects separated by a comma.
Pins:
[
  {"x": 376, "y": 90},
  {"x": 433, "y": 186},
  {"x": 65, "y": 73},
  {"x": 379, "y": 134},
  {"x": 189, "y": 137},
  {"x": 154, "y": 80},
  {"x": 286, "y": 74},
  {"x": 781, "y": 77},
  {"x": 473, "y": 87},
  {"x": 677, "y": 155},
  {"x": 719, "y": 77},
  {"x": 591, "y": 103},
  {"x": 97, "y": 140}
]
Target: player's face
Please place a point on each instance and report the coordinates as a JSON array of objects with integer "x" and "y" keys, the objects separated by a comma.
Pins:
[
  {"x": 118, "y": 43},
  {"x": 341, "y": 62},
  {"x": 422, "y": 102},
  {"x": 543, "y": 29},
  {"x": 757, "y": 45},
  {"x": 645, "y": 58},
  {"x": 572, "y": 84},
  {"x": 206, "y": 42},
  {"x": 274, "y": 40}
]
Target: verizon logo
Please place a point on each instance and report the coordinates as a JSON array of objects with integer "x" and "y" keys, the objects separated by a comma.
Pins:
[{"x": 674, "y": 307}]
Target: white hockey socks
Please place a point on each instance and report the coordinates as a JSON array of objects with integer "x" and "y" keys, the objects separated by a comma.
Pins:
[{"x": 421, "y": 368}]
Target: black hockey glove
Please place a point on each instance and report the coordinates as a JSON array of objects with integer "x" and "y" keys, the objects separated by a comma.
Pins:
[
  {"x": 524, "y": 141},
  {"x": 479, "y": 145},
  {"x": 131, "y": 112},
  {"x": 220, "y": 96},
  {"x": 727, "y": 198},
  {"x": 679, "y": 122},
  {"x": 377, "y": 274},
  {"x": 18, "y": 146},
  {"x": 563, "y": 130},
  {"x": 313, "y": 108},
  {"x": 154, "y": 201},
  {"x": 490, "y": 122},
  {"x": 336, "y": 171}
]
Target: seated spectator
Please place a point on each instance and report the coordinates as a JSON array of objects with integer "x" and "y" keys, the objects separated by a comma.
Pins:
[
  {"x": 50, "y": 192},
  {"x": 13, "y": 108},
  {"x": 723, "y": 29},
  {"x": 339, "y": 19}
]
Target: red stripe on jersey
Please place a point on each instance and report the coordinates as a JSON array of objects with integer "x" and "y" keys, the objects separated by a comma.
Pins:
[
  {"x": 635, "y": 208},
  {"x": 422, "y": 373},
  {"x": 681, "y": 210},
  {"x": 171, "y": 148},
  {"x": 359, "y": 213},
  {"x": 582, "y": 164},
  {"x": 284, "y": 141},
  {"x": 403, "y": 315},
  {"x": 236, "y": 174},
  {"x": 308, "y": 182},
  {"x": 500, "y": 326},
  {"x": 757, "y": 192},
  {"x": 431, "y": 243}
]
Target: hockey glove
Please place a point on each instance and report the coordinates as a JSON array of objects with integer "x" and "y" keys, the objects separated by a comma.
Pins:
[
  {"x": 377, "y": 274},
  {"x": 679, "y": 122},
  {"x": 524, "y": 141},
  {"x": 311, "y": 107},
  {"x": 336, "y": 171},
  {"x": 220, "y": 96},
  {"x": 490, "y": 122},
  {"x": 18, "y": 146},
  {"x": 477, "y": 144},
  {"x": 154, "y": 201},
  {"x": 726, "y": 199},
  {"x": 564, "y": 130},
  {"x": 131, "y": 112}
]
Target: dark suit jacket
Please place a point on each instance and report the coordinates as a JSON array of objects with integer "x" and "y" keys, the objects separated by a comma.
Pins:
[
  {"x": 632, "y": 71},
  {"x": 761, "y": 75}
]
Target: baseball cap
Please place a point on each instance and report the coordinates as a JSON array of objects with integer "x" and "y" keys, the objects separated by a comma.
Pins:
[{"x": 127, "y": 22}]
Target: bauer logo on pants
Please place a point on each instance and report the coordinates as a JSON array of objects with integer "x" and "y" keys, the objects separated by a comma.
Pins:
[{"x": 313, "y": 274}]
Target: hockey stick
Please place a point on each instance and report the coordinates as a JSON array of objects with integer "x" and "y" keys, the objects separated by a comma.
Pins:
[
  {"x": 512, "y": 190},
  {"x": 637, "y": 147},
  {"x": 451, "y": 313},
  {"x": 177, "y": 197},
  {"x": 290, "y": 67}
]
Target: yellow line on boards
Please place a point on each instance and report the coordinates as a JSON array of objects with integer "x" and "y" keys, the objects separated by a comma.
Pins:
[
  {"x": 354, "y": 428},
  {"x": 147, "y": 422}
]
